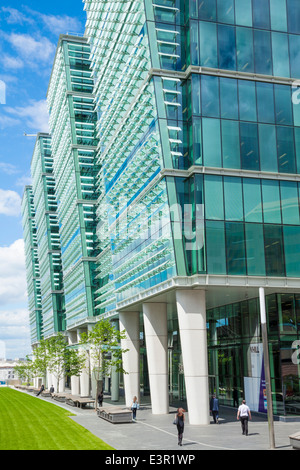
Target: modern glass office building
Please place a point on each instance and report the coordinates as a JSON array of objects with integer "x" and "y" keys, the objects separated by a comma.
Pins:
[{"x": 193, "y": 170}]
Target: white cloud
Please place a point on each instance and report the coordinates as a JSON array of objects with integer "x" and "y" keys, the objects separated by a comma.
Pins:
[
  {"x": 13, "y": 285},
  {"x": 24, "y": 181},
  {"x": 12, "y": 63},
  {"x": 8, "y": 168},
  {"x": 61, "y": 24},
  {"x": 15, "y": 16},
  {"x": 31, "y": 49},
  {"x": 10, "y": 203},
  {"x": 35, "y": 114}
]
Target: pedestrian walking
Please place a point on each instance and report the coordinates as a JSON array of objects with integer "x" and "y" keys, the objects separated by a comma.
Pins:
[
  {"x": 100, "y": 398},
  {"x": 134, "y": 407},
  {"x": 51, "y": 391},
  {"x": 180, "y": 419},
  {"x": 244, "y": 414},
  {"x": 41, "y": 390},
  {"x": 214, "y": 408}
]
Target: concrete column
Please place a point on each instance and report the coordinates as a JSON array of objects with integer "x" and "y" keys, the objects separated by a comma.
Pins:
[
  {"x": 84, "y": 378},
  {"x": 115, "y": 376},
  {"x": 156, "y": 334},
  {"x": 130, "y": 322},
  {"x": 191, "y": 307},
  {"x": 75, "y": 382}
]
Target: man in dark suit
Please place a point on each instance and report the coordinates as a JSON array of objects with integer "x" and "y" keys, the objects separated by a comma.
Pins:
[{"x": 214, "y": 408}]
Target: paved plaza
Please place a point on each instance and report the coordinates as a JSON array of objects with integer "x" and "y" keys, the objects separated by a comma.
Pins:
[{"x": 157, "y": 433}]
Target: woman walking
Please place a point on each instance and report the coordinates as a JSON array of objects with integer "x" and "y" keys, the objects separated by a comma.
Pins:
[
  {"x": 134, "y": 407},
  {"x": 180, "y": 424}
]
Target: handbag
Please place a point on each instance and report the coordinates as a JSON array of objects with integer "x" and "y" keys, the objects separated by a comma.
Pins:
[{"x": 175, "y": 421}]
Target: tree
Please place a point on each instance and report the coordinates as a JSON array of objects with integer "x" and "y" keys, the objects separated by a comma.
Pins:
[
  {"x": 63, "y": 360},
  {"x": 24, "y": 370},
  {"x": 103, "y": 343},
  {"x": 41, "y": 360}
]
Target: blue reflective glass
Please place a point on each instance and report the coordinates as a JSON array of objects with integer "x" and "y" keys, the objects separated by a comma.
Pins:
[
  {"x": 226, "y": 47},
  {"x": 289, "y": 203},
  {"x": 274, "y": 250},
  {"x": 271, "y": 202},
  {"x": 296, "y": 104},
  {"x": 208, "y": 10},
  {"x": 233, "y": 198},
  {"x": 278, "y": 15},
  {"x": 252, "y": 200},
  {"x": 297, "y": 147},
  {"x": 197, "y": 141},
  {"x": 249, "y": 146},
  {"x": 280, "y": 53},
  {"x": 196, "y": 95},
  {"x": 268, "y": 148},
  {"x": 283, "y": 105},
  {"x": 247, "y": 101},
  {"x": 229, "y": 98},
  {"x": 262, "y": 52},
  {"x": 243, "y": 12},
  {"x": 255, "y": 250},
  {"x": 225, "y": 9},
  {"x": 208, "y": 49},
  {"x": 215, "y": 247},
  {"x": 235, "y": 248},
  {"x": 211, "y": 142},
  {"x": 293, "y": 8},
  {"x": 261, "y": 14},
  {"x": 291, "y": 237},
  {"x": 231, "y": 144},
  {"x": 214, "y": 203},
  {"x": 244, "y": 50},
  {"x": 294, "y": 42},
  {"x": 194, "y": 43},
  {"x": 286, "y": 150},
  {"x": 210, "y": 96},
  {"x": 265, "y": 102}
]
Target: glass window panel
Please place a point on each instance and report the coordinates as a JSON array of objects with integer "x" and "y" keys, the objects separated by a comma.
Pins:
[
  {"x": 196, "y": 96},
  {"x": 233, "y": 199},
  {"x": 247, "y": 101},
  {"x": 208, "y": 49},
  {"x": 244, "y": 50},
  {"x": 265, "y": 102},
  {"x": 261, "y": 14},
  {"x": 297, "y": 147},
  {"x": 235, "y": 248},
  {"x": 291, "y": 236},
  {"x": 289, "y": 203},
  {"x": 280, "y": 51},
  {"x": 226, "y": 47},
  {"x": 255, "y": 250},
  {"x": 293, "y": 9},
  {"x": 229, "y": 98},
  {"x": 214, "y": 203},
  {"x": 243, "y": 12},
  {"x": 231, "y": 144},
  {"x": 278, "y": 15},
  {"x": 283, "y": 105},
  {"x": 249, "y": 146},
  {"x": 210, "y": 96},
  {"x": 211, "y": 142},
  {"x": 271, "y": 202},
  {"x": 208, "y": 10},
  {"x": 194, "y": 43},
  {"x": 225, "y": 9},
  {"x": 267, "y": 148},
  {"x": 252, "y": 200},
  {"x": 262, "y": 52},
  {"x": 295, "y": 55},
  {"x": 296, "y": 104},
  {"x": 274, "y": 250},
  {"x": 215, "y": 246},
  {"x": 286, "y": 150}
]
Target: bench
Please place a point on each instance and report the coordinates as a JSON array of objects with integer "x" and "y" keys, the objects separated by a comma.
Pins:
[
  {"x": 61, "y": 397},
  {"x": 74, "y": 400},
  {"x": 115, "y": 415},
  {"x": 295, "y": 440}
]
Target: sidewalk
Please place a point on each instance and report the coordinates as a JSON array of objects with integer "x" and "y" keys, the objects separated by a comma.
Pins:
[{"x": 156, "y": 433}]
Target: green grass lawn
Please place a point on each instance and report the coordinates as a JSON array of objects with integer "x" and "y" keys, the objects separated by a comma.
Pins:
[{"x": 28, "y": 423}]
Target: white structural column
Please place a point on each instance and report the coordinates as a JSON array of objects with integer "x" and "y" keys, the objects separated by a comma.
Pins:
[
  {"x": 191, "y": 308},
  {"x": 84, "y": 378},
  {"x": 130, "y": 322},
  {"x": 156, "y": 334},
  {"x": 75, "y": 383}
]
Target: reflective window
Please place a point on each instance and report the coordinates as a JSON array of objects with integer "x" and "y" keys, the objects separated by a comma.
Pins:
[
  {"x": 225, "y": 9},
  {"x": 208, "y": 10},
  {"x": 233, "y": 199},
  {"x": 210, "y": 96},
  {"x": 274, "y": 250},
  {"x": 249, "y": 146},
  {"x": 211, "y": 142},
  {"x": 208, "y": 49},
  {"x": 265, "y": 102},
  {"x": 244, "y": 50},
  {"x": 231, "y": 144},
  {"x": 226, "y": 47},
  {"x": 283, "y": 105},
  {"x": 294, "y": 42},
  {"x": 229, "y": 98},
  {"x": 261, "y": 14},
  {"x": 247, "y": 101},
  {"x": 271, "y": 202},
  {"x": 286, "y": 150},
  {"x": 215, "y": 247},
  {"x": 255, "y": 250},
  {"x": 252, "y": 200},
  {"x": 262, "y": 52},
  {"x": 278, "y": 15},
  {"x": 235, "y": 248},
  {"x": 267, "y": 148},
  {"x": 291, "y": 236},
  {"x": 293, "y": 9},
  {"x": 243, "y": 12},
  {"x": 289, "y": 203},
  {"x": 214, "y": 202},
  {"x": 280, "y": 54}
]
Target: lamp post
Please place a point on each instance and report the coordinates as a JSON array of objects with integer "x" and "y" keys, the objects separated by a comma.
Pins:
[{"x": 264, "y": 332}]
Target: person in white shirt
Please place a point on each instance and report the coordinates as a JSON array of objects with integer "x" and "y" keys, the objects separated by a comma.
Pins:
[{"x": 244, "y": 414}]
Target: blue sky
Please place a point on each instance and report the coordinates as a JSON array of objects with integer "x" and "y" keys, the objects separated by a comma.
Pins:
[{"x": 29, "y": 33}]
